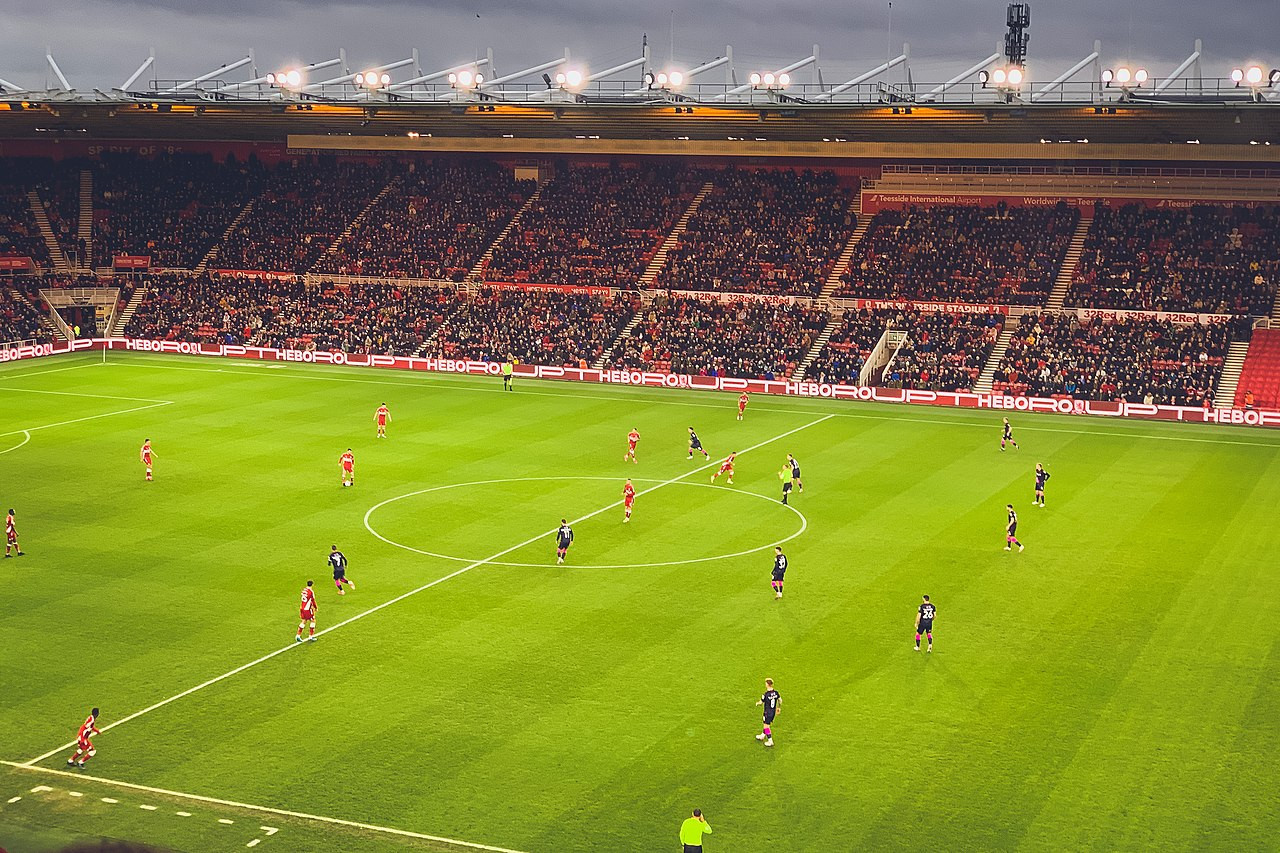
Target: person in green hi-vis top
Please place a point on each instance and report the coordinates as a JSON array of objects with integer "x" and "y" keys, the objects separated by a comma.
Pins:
[
  {"x": 508, "y": 372},
  {"x": 692, "y": 830}
]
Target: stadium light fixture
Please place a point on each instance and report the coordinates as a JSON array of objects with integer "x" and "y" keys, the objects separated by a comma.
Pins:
[
  {"x": 1006, "y": 78},
  {"x": 666, "y": 80},
  {"x": 1125, "y": 78},
  {"x": 372, "y": 80},
  {"x": 466, "y": 80},
  {"x": 770, "y": 81},
  {"x": 1256, "y": 79},
  {"x": 570, "y": 80},
  {"x": 289, "y": 79}
]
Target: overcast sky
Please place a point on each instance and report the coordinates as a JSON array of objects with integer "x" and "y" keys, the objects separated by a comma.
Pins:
[{"x": 98, "y": 43}]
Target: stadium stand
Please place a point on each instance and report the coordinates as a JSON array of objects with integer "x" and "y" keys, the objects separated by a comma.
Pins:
[
  {"x": 705, "y": 338},
  {"x": 436, "y": 223},
  {"x": 763, "y": 231},
  {"x": 595, "y": 225},
  {"x": 997, "y": 255},
  {"x": 943, "y": 352},
  {"x": 1137, "y": 359},
  {"x": 172, "y": 208},
  {"x": 19, "y": 320},
  {"x": 19, "y": 234},
  {"x": 547, "y": 327},
  {"x": 304, "y": 208},
  {"x": 1212, "y": 259},
  {"x": 1259, "y": 386}
]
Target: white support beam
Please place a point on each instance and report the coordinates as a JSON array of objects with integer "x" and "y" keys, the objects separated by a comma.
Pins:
[
  {"x": 964, "y": 75},
  {"x": 12, "y": 87},
  {"x": 864, "y": 77},
  {"x": 57, "y": 72},
  {"x": 257, "y": 81},
  {"x": 801, "y": 63},
  {"x": 617, "y": 69},
  {"x": 1069, "y": 73},
  {"x": 146, "y": 63},
  {"x": 195, "y": 81},
  {"x": 691, "y": 73},
  {"x": 437, "y": 75},
  {"x": 390, "y": 66},
  {"x": 1180, "y": 70},
  {"x": 516, "y": 75}
]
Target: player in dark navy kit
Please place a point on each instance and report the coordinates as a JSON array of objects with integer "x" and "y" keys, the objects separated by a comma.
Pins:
[
  {"x": 338, "y": 562},
  {"x": 794, "y": 465},
  {"x": 1041, "y": 476},
  {"x": 1011, "y": 530},
  {"x": 695, "y": 443},
  {"x": 564, "y": 538},
  {"x": 771, "y": 702},
  {"x": 924, "y": 622},
  {"x": 1007, "y": 436},
  {"x": 779, "y": 570}
]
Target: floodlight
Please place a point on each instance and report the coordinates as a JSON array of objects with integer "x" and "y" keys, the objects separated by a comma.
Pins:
[
  {"x": 1123, "y": 75},
  {"x": 998, "y": 76},
  {"x": 1108, "y": 75},
  {"x": 560, "y": 78},
  {"x": 769, "y": 79},
  {"x": 1274, "y": 77},
  {"x": 479, "y": 79},
  {"x": 784, "y": 79},
  {"x": 1140, "y": 76},
  {"x": 1015, "y": 76},
  {"x": 676, "y": 78},
  {"x": 573, "y": 78},
  {"x": 464, "y": 79},
  {"x": 1253, "y": 76},
  {"x": 661, "y": 80},
  {"x": 649, "y": 80},
  {"x": 1237, "y": 75},
  {"x": 294, "y": 78},
  {"x": 754, "y": 79},
  {"x": 271, "y": 78},
  {"x": 984, "y": 77}
]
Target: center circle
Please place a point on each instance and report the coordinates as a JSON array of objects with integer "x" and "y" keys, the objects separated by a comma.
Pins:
[{"x": 804, "y": 522}]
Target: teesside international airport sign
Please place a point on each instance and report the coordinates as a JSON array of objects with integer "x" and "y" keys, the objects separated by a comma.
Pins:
[{"x": 647, "y": 379}]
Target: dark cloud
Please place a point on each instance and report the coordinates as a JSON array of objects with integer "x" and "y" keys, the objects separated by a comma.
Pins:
[{"x": 99, "y": 42}]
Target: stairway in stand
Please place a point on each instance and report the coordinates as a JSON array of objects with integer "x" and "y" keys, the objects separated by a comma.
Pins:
[
  {"x": 1067, "y": 272},
  {"x": 1229, "y": 380},
  {"x": 603, "y": 361},
  {"x": 832, "y": 284},
  {"x": 58, "y": 257},
  {"x": 130, "y": 308},
  {"x": 985, "y": 379},
  {"x": 477, "y": 270},
  {"x": 212, "y": 255},
  {"x": 47, "y": 326},
  {"x": 85, "y": 230},
  {"x": 659, "y": 259},
  {"x": 818, "y": 343},
  {"x": 354, "y": 224}
]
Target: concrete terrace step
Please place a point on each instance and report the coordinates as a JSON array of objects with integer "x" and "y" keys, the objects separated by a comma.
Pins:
[
  {"x": 833, "y": 323},
  {"x": 1229, "y": 380},
  {"x": 1067, "y": 272},
  {"x": 985, "y": 379},
  {"x": 56, "y": 254},
  {"x": 477, "y": 270},
  {"x": 603, "y": 360},
  {"x": 659, "y": 259},
  {"x": 832, "y": 284}
]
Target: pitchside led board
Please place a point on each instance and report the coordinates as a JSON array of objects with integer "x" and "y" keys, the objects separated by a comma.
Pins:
[{"x": 959, "y": 399}]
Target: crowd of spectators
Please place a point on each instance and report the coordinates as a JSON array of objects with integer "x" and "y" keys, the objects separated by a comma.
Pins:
[
  {"x": 708, "y": 338},
  {"x": 1138, "y": 359},
  {"x": 941, "y": 352},
  {"x": 999, "y": 255},
  {"x": 305, "y": 206},
  {"x": 379, "y": 319},
  {"x": 595, "y": 225},
  {"x": 1211, "y": 259},
  {"x": 173, "y": 208},
  {"x": 537, "y": 327},
  {"x": 19, "y": 319},
  {"x": 763, "y": 231},
  {"x": 436, "y": 223}
]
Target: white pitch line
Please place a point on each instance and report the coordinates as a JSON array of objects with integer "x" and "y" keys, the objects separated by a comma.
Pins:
[
  {"x": 254, "y": 843},
  {"x": 78, "y": 394},
  {"x": 13, "y": 800},
  {"x": 109, "y": 800},
  {"x": 183, "y": 814},
  {"x": 269, "y": 830},
  {"x": 19, "y": 375},
  {"x": 335, "y": 821},
  {"x": 86, "y": 418},
  {"x": 426, "y": 586},
  {"x": 147, "y": 808},
  {"x": 227, "y": 821},
  {"x": 26, "y": 437},
  {"x": 75, "y": 793},
  {"x": 603, "y": 396}
]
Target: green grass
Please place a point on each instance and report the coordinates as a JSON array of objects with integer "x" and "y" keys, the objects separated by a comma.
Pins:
[{"x": 1114, "y": 687}]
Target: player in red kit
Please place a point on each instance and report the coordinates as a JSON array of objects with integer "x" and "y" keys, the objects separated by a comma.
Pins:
[
  {"x": 146, "y": 454},
  {"x": 307, "y": 611},
  {"x": 633, "y": 438},
  {"x": 725, "y": 468},
  {"x": 382, "y": 417},
  {"x": 11, "y": 536},
  {"x": 84, "y": 746},
  {"x": 742, "y": 404},
  {"x": 628, "y": 500},
  {"x": 348, "y": 461}
]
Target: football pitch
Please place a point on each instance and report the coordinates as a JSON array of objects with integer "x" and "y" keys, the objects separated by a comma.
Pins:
[{"x": 1114, "y": 687}]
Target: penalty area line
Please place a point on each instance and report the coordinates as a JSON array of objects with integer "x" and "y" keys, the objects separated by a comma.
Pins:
[
  {"x": 426, "y": 586},
  {"x": 200, "y": 798},
  {"x": 29, "y": 430}
]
